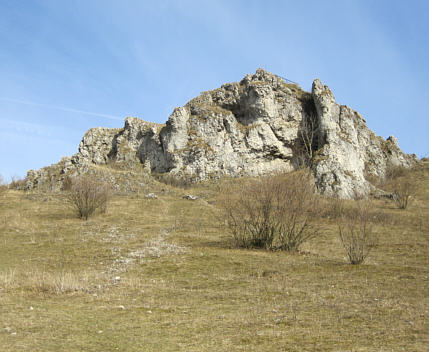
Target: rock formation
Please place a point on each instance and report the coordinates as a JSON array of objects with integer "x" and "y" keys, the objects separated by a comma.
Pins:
[{"x": 258, "y": 126}]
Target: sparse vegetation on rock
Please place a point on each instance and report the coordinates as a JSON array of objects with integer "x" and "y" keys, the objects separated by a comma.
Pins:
[{"x": 308, "y": 142}]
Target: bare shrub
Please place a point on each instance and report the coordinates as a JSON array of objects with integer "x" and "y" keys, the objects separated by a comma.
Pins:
[
  {"x": 308, "y": 141},
  {"x": 67, "y": 183},
  {"x": 332, "y": 207},
  {"x": 275, "y": 212},
  {"x": 393, "y": 172},
  {"x": 356, "y": 232},
  {"x": 16, "y": 182},
  {"x": 87, "y": 194},
  {"x": 402, "y": 191},
  {"x": 3, "y": 185},
  {"x": 340, "y": 209},
  {"x": 399, "y": 182}
]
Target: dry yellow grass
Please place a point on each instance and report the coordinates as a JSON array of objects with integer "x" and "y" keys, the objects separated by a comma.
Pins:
[{"x": 162, "y": 275}]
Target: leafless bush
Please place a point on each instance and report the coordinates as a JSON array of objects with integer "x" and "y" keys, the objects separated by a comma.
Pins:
[
  {"x": 394, "y": 172},
  {"x": 356, "y": 232},
  {"x": 337, "y": 209},
  {"x": 3, "y": 185},
  {"x": 402, "y": 191},
  {"x": 16, "y": 182},
  {"x": 275, "y": 212},
  {"x": 87, "y": 194},
  {"x": 308, "y": 141},
  {"x": 67, "y": 183},
  {"x": 399, "y": 182},
  {"x": 333, "y": 207}
]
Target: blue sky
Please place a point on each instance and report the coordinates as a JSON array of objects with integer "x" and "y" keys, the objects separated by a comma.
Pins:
[{"x": 67, "y": 66}]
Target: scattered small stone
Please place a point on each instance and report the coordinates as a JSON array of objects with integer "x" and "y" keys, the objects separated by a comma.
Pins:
[
  {"x": 190, "y": 197},
  {"x": 151, "y": 196},
  {"x": 117, "y": 278},
  {"x": 121, "y": 307},
  {"x": 149, "y": 312},
  {"x": 100, "y": 331},
  {"x": 31, "y": 308}
]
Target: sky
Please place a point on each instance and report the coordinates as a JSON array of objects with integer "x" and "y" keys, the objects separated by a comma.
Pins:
[{"x": 67, "y": 66}]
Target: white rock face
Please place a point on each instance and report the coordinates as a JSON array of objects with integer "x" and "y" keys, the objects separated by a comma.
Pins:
[
  {"x": 349, "y": 151},
  {"x": 253, "y": 127}
]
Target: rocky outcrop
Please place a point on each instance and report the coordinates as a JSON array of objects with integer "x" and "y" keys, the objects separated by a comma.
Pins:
[
  {"x": 255, "y": 127},
  {"x": 349, "y": 152}
]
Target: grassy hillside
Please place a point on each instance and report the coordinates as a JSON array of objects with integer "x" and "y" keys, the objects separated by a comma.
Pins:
[{"x": 162, "y": 275}]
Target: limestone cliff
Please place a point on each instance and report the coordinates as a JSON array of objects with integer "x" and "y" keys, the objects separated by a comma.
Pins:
[{"x": 255, "y": 127}]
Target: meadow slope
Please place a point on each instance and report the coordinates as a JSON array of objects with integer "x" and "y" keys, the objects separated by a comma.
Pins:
[{"x": 162, "y": 275}]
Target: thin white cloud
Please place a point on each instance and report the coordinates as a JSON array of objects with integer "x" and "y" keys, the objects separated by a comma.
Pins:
[
  {"x": 8, "y": 137},
  {"x": 62, "y": 108},
  {"x": 25, "y": 127}
]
